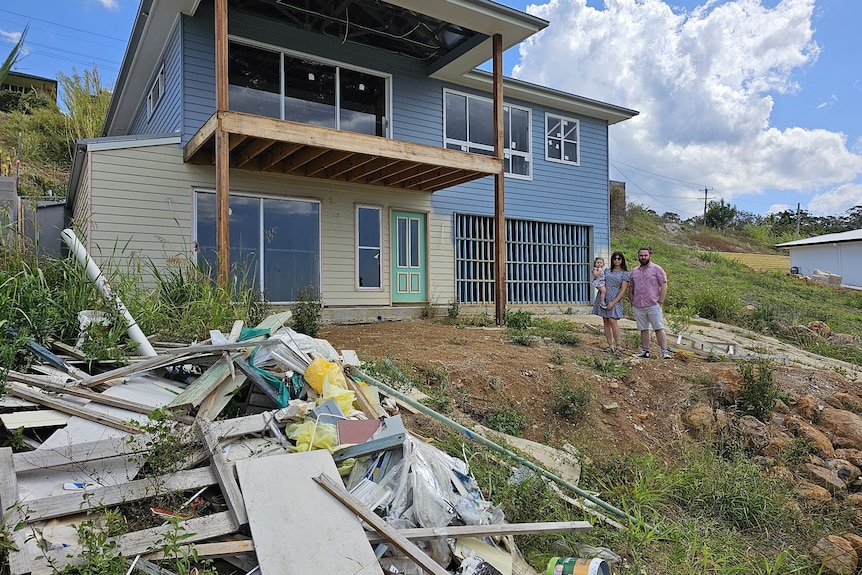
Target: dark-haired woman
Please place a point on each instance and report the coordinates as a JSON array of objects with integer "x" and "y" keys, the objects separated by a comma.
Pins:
[{"x": 616, "y": 283}]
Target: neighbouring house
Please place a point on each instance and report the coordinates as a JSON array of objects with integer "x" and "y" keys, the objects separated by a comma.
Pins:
[
  {"x": 839, "y": 254},
  {"x": 349, "y": 147},
  {"x": 20, "y": 82}
]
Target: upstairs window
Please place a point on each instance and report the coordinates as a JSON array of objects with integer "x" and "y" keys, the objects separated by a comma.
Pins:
[
  {"x": 156, "y": 91},
  {"x": 293, "y": 87},
  {"x": 562, "y": 139},
  {"x": 469, "y": 126}
]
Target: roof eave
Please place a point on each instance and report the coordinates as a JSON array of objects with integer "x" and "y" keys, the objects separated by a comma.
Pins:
[{"x": 556, "y": 99}]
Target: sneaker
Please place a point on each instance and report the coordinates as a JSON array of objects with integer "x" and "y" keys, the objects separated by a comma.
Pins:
[
  {"x": 665, "y": 354},
  {"x": 644, "y": 354},
  {"x": 603, "y": 305}
]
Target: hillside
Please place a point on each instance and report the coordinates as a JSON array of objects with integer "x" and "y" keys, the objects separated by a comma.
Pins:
[{"x": 669, "y": 442}]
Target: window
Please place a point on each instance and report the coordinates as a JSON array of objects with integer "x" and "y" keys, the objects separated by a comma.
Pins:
[
  {"x": 274, "y": 243},
  {"x": 546, "y": 262},
  {"x": 156, "y": 91},
  {"x": 562, "y": 140},
  {"x": 469, "y": 126},
  {"x": 368, "y": 248},
  {"x": 293, "y": 87}
]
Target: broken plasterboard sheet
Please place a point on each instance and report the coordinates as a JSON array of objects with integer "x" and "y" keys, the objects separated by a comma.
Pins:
[
  {"x": 34, "y": 418},
  {"x": 558, "y": 461},
  {"x": 38, "y": 484},
  {"x": 297, "y": 526}
]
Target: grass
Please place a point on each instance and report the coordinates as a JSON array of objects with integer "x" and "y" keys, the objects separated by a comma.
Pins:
[{"x": 714, "y": 287}]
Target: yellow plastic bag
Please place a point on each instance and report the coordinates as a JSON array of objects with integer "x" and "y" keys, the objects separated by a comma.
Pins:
[
  {"x": 311, "y": 434},
  {"x": 343, "y": 398},
  {"x": 322, "y": 371}
]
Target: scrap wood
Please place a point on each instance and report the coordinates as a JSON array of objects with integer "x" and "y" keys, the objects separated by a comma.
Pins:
[
  {"x": 85, "y": 393},
  {"x": 145, "y": 566},
  {"x": 210, "y": 550},
  {"x": 30, "y": 419},
  {"x": 81, "y": 453},
  {"x": 139, "y": 542},
  {"x": 390, "y": 533},
  {"x": 19, "y": 560},
  {"x": 74, "y": 502},
  {"x": 487, "y": 530},
  {"x": 225, "y": 475},
  {"x": 198, "y": 391},
  {"x": 166, "y": 358},
  {"x": 22, "y": 391}
]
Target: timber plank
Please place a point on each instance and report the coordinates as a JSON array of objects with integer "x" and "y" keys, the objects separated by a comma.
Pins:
[
  {"x": 139, "y": 542},
  {"x": 19, "y": 560},
  {"x": 198, "y": 391},
  {"x": 486, "y": 530},
  {"x": 19, "y": 390},
  {"x": 225, "y": 474},
  {"x": 336, "y": 489},
  {"x": 80, "y": 453},
  {"x": 74, "y": 502}
]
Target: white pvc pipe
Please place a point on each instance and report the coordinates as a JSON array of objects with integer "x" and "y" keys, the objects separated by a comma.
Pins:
[{"x": 95, "y": 275}]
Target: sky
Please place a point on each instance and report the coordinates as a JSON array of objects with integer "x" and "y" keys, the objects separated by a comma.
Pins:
[{"x": 754, "y": 102}]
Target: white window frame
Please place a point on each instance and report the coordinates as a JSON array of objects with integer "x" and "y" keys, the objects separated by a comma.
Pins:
[
  {"x": 282, "y": 52},
  {"x": 577, "y": 140},
  {"x": 156, "y": 92},
  {"x": 360, "y": 247},
  {"x": 507, "y": 150}
]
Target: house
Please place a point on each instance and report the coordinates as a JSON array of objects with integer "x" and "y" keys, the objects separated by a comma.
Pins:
[
  {"x": 20, "y": 82},
  {"x": 839, "y": 254},
  {"x": 349, "y": 147}
]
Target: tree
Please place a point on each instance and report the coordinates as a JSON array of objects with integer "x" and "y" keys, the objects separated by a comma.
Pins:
[
  {"x": 719, "y": 215},
  {"x": 86, "y": 102}
]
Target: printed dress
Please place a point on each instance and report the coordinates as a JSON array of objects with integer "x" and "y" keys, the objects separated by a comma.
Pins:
[{"x": 613, "y": 285}]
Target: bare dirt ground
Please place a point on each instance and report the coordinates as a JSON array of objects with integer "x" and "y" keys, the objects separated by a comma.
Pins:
[{"x": 487, "y": 372}]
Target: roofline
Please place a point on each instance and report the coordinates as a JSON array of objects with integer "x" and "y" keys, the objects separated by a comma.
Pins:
[
  {"x": 156, "y": 19},
  {"x": 115, "y": 143},
  {"x": 149, "y": 11},
  {"x": 824, "y": 239},
  {"x": 557, "y": 99}
]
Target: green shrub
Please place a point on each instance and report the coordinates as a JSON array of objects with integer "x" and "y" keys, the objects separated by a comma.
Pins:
[
  {"x": 507, "y": 419},
  {"x": 718, "y": 303},
  {"x": 518, "y": 320},
  {"x": 454, "y": 308},
  {"x": 307, "y": 311},
  {"x": 571, "y": 400},
  {"x": 759, "y": 392}
]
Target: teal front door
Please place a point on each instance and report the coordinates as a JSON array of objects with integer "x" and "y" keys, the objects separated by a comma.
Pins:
[{"x": 408, "y": 257}]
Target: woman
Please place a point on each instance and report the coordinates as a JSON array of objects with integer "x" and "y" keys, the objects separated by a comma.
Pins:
[{"x": 616, "y": 284}]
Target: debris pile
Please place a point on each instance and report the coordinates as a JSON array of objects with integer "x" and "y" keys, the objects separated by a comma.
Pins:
[{"x": 316, "y": 472}]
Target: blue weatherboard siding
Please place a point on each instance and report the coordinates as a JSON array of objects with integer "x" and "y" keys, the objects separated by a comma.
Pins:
[
  {"x": 166, "y": 115},
  {"x": 557, "y": 192}
]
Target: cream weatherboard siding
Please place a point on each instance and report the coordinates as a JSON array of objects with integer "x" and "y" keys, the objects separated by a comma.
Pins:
[{"x": 142, "y": 204}]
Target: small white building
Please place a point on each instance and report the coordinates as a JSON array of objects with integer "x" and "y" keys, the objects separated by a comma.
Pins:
[{"x": 839, "y": 254}]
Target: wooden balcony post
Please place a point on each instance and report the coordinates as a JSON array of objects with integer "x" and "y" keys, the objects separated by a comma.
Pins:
[
  {"x": 499, "y": 202},
  {"x": 222, "y": 150}
]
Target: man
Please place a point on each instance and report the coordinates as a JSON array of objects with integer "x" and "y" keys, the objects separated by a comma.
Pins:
[{"x": 648, "y": 290}]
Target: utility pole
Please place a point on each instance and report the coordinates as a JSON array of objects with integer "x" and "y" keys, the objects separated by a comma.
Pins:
[
  {"x": 705, "y": 192},
  {"x": 798, "y": 217}
]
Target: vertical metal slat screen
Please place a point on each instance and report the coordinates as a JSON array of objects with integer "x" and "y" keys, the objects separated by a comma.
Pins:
[{"x": 546, "y": 263}]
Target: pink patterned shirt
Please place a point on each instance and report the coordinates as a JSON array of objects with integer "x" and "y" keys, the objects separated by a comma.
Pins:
[{"x": 646, "y": 285}]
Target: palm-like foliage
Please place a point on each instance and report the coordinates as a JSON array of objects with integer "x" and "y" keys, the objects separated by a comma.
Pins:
[{"x": 12, "y": 58}]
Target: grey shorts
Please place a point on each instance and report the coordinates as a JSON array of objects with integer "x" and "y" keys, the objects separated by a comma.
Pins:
[{"x": 649, "y": 316}]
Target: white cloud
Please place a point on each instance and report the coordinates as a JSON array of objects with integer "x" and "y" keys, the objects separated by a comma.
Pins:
[
  {"x": 10, "y": 36},
  {"x": 777, "y": 208},
  {"x": 704, "y": 83},
  {"x": 836, "y": 201},
  {"x": 109, "y": 4}
]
